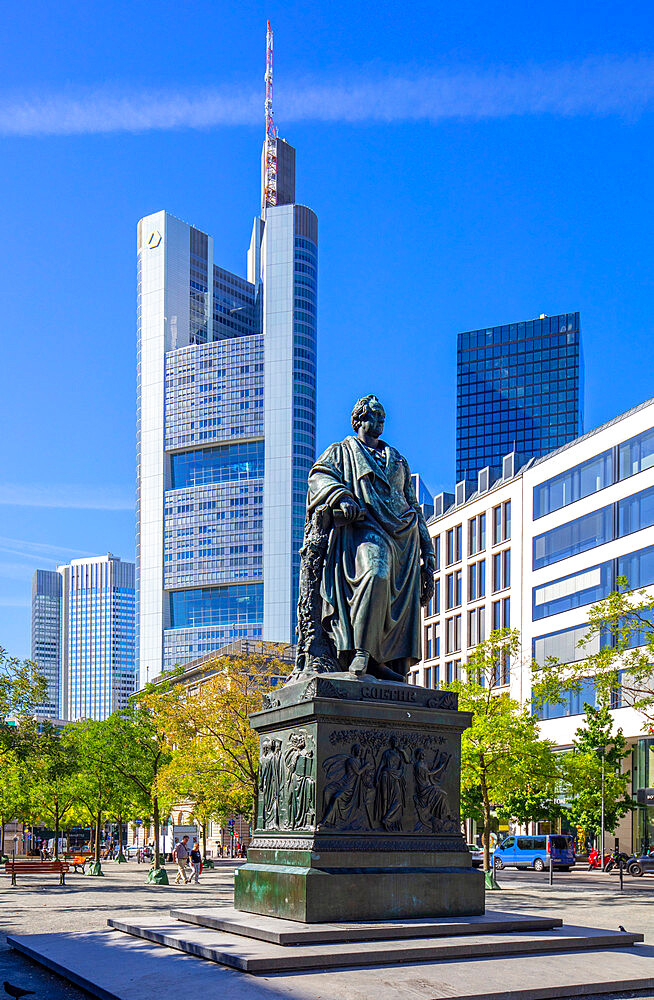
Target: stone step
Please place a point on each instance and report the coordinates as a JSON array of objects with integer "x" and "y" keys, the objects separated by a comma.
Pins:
[
  {"x": 291, "y": 932},
  {"x": 261, "y": 957},
  {"x": 114, "y": 966}
]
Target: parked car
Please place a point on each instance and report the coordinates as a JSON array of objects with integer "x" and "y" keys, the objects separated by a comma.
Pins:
[
  {"x": 534, "y": 852},
  {"x": 477, "y": 855},
  {"x": 640, "y": 864}
]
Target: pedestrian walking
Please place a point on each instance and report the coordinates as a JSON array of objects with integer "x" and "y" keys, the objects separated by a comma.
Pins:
[
  {"x": 196, "y": 860},
  {"x": 181, "y": 855}
]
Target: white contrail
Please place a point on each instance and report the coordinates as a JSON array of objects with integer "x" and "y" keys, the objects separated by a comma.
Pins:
[
  {"x": 68, "y": 496},
  {"x": 595, "y": 86}
]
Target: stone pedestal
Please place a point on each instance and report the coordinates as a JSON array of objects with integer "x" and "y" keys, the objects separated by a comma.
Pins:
[{"x": 358, "y": 814}]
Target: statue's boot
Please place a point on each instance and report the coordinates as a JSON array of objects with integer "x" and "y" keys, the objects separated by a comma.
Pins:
[{"x": 359, "y": 663}]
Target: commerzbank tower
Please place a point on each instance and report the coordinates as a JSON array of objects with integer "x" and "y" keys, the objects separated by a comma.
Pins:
[{"x": 226, "y": 407}]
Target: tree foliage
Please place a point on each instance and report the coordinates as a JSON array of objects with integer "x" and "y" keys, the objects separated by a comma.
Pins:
[
  {"x": 213, "y": 721},
  {"x": 502, "y": 750},
  {"x": 594, "y": 743},
  {"x": 617, "y": 653}
]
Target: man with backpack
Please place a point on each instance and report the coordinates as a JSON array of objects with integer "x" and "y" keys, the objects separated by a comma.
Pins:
[{"x": 181, "y": 856}]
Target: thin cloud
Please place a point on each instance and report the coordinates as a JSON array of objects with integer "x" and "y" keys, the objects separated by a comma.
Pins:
[
  {"x": 595, "y": 86},
  {"x": 45, "y": 552},
  {"x": 70, "y": 497}
]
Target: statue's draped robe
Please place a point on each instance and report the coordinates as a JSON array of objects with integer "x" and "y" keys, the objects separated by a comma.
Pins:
[{"x": 371, "y": 576}]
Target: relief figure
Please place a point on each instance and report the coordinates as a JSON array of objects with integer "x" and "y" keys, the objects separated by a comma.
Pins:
[
  {"x": 300, "y": 786},
  {"x": 347, "y": 792},
  {"x": 390, "y": 797},
  {"x": 429, "y": 797}
]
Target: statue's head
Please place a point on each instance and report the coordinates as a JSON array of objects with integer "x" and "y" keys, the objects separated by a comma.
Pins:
[
  {"x": 266, "y": 747},
  {"x": 356, "y": 750},
  {"x": 368, "y": 411}
]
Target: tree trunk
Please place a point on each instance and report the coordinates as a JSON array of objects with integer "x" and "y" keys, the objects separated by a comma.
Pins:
[
  {"x": 2, "y": 835},
  {"x": 119, "y": 823},
  {"x": 91, "y": 837},
  {"x": 55, "y": 852},
  {"x": 487, "y": 823},
  {"x": 98, "y": 824},
  {"x": 155, "y": 819},
  {"x": 204, "y": 840}
]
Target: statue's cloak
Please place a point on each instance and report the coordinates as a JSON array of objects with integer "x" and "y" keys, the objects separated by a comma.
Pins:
[{"x": 371, "y": 576}]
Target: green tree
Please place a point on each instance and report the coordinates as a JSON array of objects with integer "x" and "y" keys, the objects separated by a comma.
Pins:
[
  {"x": 22, "y": 689},
  {"x": 217, "y": 714},
  {"x": 596, "y": 743},
  {"x": 52, "y": 769},
  {"x": 192, "y": 777},
  {"x": 97, "y": 785},
  {"x": 617, "y": 652},
  {"x": 14, "y": 794},
  {"x": 502, "y": 750},
  {"x": 140, "y": 733}
]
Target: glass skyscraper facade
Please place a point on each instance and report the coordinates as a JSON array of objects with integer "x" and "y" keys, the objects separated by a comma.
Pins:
[
  {"x": 46, "y": 611},
  {"x": 226, "y": 402},
  {"x": 83, "y": 636},
  {"x": 520, "y": 388}
]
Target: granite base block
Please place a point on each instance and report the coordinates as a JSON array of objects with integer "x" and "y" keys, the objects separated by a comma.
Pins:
[{"x": 314, "y": 895}]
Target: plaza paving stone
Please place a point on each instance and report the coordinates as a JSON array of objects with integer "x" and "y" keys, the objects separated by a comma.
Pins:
[{"x": 85, "y": 904}]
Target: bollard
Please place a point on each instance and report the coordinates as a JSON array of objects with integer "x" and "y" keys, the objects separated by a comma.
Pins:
[{"x": 551, "y": 871}]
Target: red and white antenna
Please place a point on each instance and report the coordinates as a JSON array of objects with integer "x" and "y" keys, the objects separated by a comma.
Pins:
[{"x": 270, "y": 168}]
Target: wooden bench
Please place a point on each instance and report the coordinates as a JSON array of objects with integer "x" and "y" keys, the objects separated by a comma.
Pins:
[
  {"x": 77, "y": 861},
  {"x": 14, "y": 868}
]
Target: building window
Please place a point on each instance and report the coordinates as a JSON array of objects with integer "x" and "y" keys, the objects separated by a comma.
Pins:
[
  {"x": 501, "y": 570},
  {"x": 453, "y": 544},
  {"x": 565, "y": 645},
  {"x": 574, "y": 537},
  {"x": 437, "y": 552},
  {"x": 452, "y": 671},
  {"x": 454, "y": 594},
  {"x": 589, "y": 477},
  {"x": 476, "y": 626},
  {"x": 502, "y": 522},
  {"x": 453, "y": 634},
  {"x": 432, "y": 641},
  {"x": 636, "y": 512},
  {"x": 477, "y": 580},
  {"x": 427, "y": 677},
  {"x": 637, "y": 454},
  {"x": 476, "y": 534},
  {"x": 501, "y": 613}
]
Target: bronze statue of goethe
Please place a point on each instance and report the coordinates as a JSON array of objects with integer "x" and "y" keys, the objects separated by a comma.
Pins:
[{"x": 367, "y": 559}]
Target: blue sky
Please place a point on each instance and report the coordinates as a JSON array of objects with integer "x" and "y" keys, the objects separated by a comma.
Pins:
[{"x": 470, "y": 164}]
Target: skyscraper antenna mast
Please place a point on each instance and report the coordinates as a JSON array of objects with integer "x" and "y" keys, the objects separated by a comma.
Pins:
[{"x": 270, "y": 171}]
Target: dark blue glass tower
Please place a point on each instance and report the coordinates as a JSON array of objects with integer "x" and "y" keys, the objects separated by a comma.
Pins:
[{"x": 520, "y": 387}]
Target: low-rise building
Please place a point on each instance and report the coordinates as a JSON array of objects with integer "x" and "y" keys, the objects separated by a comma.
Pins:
[{"x": 533, "y": 548}]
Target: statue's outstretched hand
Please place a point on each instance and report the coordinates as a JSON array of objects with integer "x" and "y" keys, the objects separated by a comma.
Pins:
[{"x": 426, "y": 585}]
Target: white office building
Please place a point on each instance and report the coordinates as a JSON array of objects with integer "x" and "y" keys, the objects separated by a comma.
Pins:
[
  {"x": 226, "y": 407},
  {"x": 533, "y": 550}
]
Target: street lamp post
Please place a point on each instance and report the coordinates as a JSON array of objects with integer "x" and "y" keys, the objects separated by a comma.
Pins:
[
  {"x": 602, "y": 750},
  {"x": 603, "y": 759}
]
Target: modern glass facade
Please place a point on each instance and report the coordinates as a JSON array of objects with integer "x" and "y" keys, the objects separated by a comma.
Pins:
[
  {"x": 100, "y": 650},
  {"x": 83, "y": 636},
  {"x": 519, "y": 389},
  {"x": 46, "y": 610},
  {"x": 225, "y": 432}
]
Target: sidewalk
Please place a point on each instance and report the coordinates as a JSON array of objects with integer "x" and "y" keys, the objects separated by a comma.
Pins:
[{"x": 86, "y": 903}]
